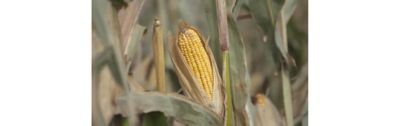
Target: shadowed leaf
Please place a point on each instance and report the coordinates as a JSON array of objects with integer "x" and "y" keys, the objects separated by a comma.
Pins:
[
  {"x": 265, "y": 13},
  {"x": 155, "y": 119},
  {"x": 148, "y": 13},
  {"x": 211, "y": 18}
]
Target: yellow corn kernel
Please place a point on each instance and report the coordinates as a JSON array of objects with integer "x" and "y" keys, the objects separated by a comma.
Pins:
[
  {"x": 194, "y": 52},
  {"x": 260, "y": 100}
]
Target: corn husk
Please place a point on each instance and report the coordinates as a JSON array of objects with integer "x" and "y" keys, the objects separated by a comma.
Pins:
[
  {"x": 191, "y": 85},
  {"x": 266, "y": 112}
]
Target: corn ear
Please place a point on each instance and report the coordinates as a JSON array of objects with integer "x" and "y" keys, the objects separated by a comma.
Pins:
[
  {"x": 195, "y": 55},
  {"x": 196, "y": 68},
  {"x": 260, "y": 100}
]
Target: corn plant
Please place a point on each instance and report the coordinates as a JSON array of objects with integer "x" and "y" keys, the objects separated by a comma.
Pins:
[{"x": 200, "y": 62}]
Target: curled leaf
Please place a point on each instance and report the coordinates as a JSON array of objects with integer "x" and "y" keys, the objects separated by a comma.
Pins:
[
  {"x": 172, "y": 105},
  {"x": 280, "y": 29}
]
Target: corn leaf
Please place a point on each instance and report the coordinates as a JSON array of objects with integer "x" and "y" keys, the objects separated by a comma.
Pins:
[
  {"x": 104, "y": 26},
  {"x": 178, "y": 107},
  {"x": 128, "y": 18},
  {"x": 265, "y": 13},
  {"x": 300, "y": 94},
  {"x": 281, "y": 39},
  {"x": 238, "y": 73},
  {"x": 136, "y": 37},
  {"x": 287, "y": 97},
  {"x": 211, "y": 18}
]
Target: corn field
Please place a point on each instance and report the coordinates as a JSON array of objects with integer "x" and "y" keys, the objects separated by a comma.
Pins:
[{"x": 200, "y": 62}]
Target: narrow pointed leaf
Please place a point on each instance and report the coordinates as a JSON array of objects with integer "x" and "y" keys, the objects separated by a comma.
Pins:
[{"x": 281, "y": 39}]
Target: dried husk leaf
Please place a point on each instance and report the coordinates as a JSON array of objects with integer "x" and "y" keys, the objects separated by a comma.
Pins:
[
  {"x": 267, "y": 113},
  {"x": 191, "y": 85}
]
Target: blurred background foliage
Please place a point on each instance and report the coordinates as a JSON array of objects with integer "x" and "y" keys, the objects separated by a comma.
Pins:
[{"x": 268, "y": 56}]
